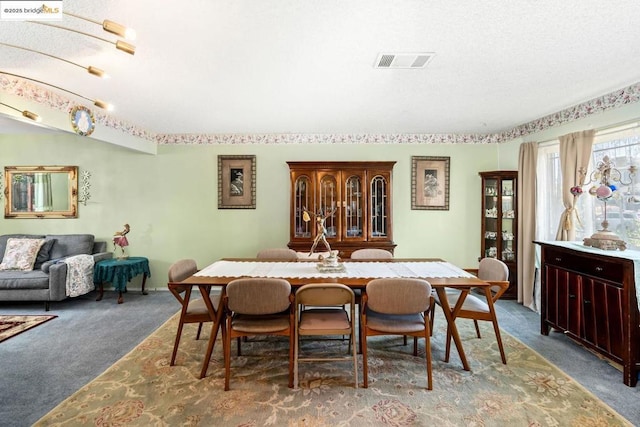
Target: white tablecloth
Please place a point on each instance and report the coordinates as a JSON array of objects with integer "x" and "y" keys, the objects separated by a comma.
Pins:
[{"x": 439, "y": 269}]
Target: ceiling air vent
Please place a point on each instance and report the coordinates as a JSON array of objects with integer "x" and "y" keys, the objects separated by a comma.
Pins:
[{"x": 404, "y": 60}]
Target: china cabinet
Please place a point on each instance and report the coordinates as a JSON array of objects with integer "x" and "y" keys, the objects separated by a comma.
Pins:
[
  {"x": 590, "y": 296},
  {"x": 499, "y": 231},
  {"x": 354, "y": 196}
]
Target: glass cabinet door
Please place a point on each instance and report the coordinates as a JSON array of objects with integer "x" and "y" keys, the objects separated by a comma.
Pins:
[
  {"x": 329, "y": 201},
  {"x": 354, "y": 207},
  {"x": 302, "y": 200},
  {"x": 380, "y": 219},
  {"x": 491, "y": 229},
  {"x": 508, "y": 220}
]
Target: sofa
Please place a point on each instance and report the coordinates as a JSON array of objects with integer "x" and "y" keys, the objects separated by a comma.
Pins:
[{"x": 33, "y": 267}]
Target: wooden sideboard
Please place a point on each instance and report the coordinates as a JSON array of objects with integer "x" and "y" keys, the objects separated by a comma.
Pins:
[{"x": 591, "y": 297}]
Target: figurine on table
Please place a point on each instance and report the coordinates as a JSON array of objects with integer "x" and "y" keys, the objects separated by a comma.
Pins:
[
  {"x": 321, "y": 229},
  {"x": 120, "y": 240}
]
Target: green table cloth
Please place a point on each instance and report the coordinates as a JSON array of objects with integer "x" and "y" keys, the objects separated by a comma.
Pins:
[{"x": 119, "y": 272}]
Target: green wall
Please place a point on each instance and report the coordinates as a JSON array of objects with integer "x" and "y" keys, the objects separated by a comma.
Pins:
[{"x": 170, "y": 199}]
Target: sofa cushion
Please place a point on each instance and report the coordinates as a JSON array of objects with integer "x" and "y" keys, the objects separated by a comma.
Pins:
[
  {"x": 16, "y": 279},
  {"x": 44, "y": 253},
  {"x": 5, "y": 237},
  {"x": 70, "y": 244},
  {"x": 20, "y": 254}
]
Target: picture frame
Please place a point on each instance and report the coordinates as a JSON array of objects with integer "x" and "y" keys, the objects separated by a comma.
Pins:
[
  {"x": 430, "y": 183},
  {"x": 237, "y": 182}
]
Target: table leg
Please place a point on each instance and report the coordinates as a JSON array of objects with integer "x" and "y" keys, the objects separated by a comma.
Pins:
[
  {"x": 100, "y": 291},
  {"x": 217, "y": 316},
  {"x": 144, "y": 280},
  {"x": 451, "y": 323},
  {"x": 496, "y": 329}
]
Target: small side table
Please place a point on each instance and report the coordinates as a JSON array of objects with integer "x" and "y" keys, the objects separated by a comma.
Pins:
[{"x": 119, "y": 272}]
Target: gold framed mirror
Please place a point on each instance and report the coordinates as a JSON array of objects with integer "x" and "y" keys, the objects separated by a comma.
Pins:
[{"x": 41, "y": 192}]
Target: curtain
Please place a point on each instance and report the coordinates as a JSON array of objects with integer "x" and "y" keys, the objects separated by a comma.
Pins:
[
  {"x": 527, "y": 160},
  {"x": 575, "y": 151},
  {"x": 42, "y": 198}
]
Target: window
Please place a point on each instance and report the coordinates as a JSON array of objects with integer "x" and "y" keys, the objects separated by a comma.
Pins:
[{"x": 622, "y": 146}]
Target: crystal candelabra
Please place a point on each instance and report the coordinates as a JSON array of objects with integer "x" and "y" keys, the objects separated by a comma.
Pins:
[{"x": 606, "y": 179}]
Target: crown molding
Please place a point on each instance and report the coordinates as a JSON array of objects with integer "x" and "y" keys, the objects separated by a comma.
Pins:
[{"x": 610, "y": 101}]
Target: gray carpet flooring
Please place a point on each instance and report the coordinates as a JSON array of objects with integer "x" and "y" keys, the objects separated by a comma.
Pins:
[{"x": 43, "y": 366}]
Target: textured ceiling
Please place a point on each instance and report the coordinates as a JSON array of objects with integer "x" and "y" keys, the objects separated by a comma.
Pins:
[{"x": 302, "y": 66}]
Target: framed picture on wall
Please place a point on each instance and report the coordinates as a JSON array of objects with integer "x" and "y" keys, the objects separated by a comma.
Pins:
[
  {"x": 236, "y": 182},
  {"x": 430, "y": 183}
]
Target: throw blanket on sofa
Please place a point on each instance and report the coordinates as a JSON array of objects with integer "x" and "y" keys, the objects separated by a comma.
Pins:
[{"x": 79, "y": 275}]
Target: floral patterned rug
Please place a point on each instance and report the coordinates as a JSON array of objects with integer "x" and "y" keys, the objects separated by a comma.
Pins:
[
  {"x": 12, "y": 325},
  {"x": 143, "y": 390}
]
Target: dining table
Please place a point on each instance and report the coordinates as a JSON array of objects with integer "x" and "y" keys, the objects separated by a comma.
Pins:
[{"x": 353, "y": 273}]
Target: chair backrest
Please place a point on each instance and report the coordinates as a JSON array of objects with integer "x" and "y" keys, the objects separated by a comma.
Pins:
[
  {"x": 371, "y": 254},
  {"x": 324, "y": 294},
  {"x": 180, "y": 270},
  {"x": 278, "y": 253},
  {"x": 258, "y": 296},
  {"x": 398, "y": 295},
  {"x": 493, "y": 270}
]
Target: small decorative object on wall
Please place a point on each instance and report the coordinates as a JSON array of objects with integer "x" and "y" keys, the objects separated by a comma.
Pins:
[
  {"x": 430, "y": 183},
  {"x": 120, "y": 240},
  {"x": 605, "y": 180},
  {"x": 82, "y": 120},
  {"x": 85, "y": 185},
  {"x": 236, "y": 182}
]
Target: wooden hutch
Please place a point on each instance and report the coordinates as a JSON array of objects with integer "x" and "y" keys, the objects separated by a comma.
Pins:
[{"x": 360, "y": 193}]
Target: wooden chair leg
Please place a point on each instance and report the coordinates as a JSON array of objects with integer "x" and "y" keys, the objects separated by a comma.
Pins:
[
  {"x": 448, "y": 345},
  {"x": 227, "y": 355},
  {"x": 432, "y": 313},
  {"x": 365, "y": 365},
  {"x": 176, "y": 344},
  {"x": 291, "y": 347},
  {"x": 496, "y": 329},
  {"x": 415, "y": 345},
  {"x": 199, "y": 330},
  {"x": 427, "y": 347},
  {"x": 477, "y": 328}
]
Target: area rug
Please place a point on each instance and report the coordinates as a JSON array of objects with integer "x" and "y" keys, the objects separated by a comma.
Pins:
[
  {"x": 143, "y": 390},
  {"x": 10, "y": 326}
]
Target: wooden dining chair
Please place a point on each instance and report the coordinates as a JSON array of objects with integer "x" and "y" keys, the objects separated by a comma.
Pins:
[
  {"x": 397, "y": 306},
  {"x": 372, "y": 254},
  {"x": 257, "y": 306},
  {"x": 320, "y": 311},
  {"x": 192, "y": 310},
  {"x": 492, "y": 271},
  {"x": 284, "y": 254}
]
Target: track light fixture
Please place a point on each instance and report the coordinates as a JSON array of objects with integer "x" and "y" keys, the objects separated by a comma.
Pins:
[
  {"x": 92, "y": 70},
  {"x": 25, "y": 113},
  {"x": 97, "y": 102},
  {"x": 109, "y": 26},
  {"x": 120, "y": 44}
]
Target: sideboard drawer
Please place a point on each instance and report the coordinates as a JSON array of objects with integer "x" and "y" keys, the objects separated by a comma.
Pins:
[{"x": 593, "y": 266}]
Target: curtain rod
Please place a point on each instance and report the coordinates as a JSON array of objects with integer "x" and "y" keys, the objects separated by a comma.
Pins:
[{"x": 629, "y": 124}]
